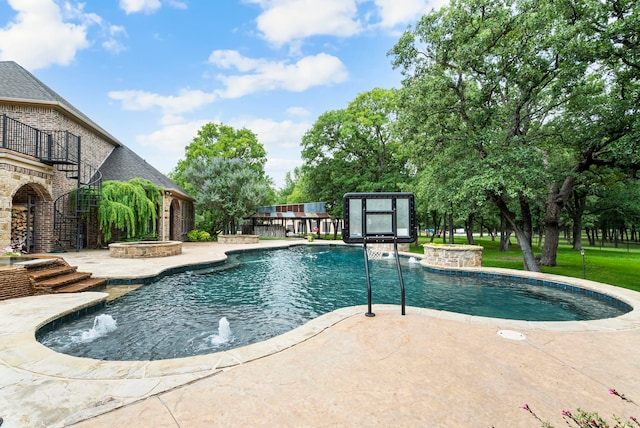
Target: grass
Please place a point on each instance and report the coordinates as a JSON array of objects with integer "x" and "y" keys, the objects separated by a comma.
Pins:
[{"x": 615, "y": 266}]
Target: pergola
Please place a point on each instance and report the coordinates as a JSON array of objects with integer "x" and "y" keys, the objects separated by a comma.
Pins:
[{"x": 288, "y": 214}]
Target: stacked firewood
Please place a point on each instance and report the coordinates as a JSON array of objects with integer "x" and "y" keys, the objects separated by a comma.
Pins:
[{"x": 20, "y": 225}]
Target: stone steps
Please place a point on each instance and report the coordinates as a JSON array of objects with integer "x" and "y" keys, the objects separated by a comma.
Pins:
[{"x": 56, "y": 276}]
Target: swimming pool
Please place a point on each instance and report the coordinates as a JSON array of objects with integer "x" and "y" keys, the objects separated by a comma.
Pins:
[{"x": 261, "y": 294}]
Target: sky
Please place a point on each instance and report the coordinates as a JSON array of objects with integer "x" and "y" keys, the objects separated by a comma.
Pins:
[{"x": 153, "y": 72}]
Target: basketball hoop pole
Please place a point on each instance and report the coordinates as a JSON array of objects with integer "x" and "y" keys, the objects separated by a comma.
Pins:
[
  {"x": 395, "y": 250},
  {"x": 369, "y": 312}
]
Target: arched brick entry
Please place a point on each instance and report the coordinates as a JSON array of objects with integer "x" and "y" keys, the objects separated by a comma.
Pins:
[
  {"x": 31, "y": 218},
  {"x": 175, "y": 221}
]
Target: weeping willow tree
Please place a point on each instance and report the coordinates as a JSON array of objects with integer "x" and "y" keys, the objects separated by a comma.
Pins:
[{"x": 129, "y": 206}]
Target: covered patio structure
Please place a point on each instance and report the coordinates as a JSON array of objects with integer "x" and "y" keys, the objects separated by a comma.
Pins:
[{"x": 278, "y": 221}]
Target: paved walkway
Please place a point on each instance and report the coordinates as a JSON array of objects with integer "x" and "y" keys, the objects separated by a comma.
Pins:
[{"x": 428, "y": 368}]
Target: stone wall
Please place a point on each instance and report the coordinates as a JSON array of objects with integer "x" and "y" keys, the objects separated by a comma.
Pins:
[
  {"x": 451, "y": 255},
  {"x": 14, "y": 282},
  {"x": 22, "y": 174},
  {"x": 238, "y": 239}
]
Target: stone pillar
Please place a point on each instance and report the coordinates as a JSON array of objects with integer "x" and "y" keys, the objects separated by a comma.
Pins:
[{"x": 452, "y": 255}]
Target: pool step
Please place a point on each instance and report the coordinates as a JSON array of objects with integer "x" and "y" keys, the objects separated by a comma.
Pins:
[
  {"x": 84, "y": 285},
  {"x": 59, "y": 277}
]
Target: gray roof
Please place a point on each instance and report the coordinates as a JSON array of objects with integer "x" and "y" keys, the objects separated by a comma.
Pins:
[
  {"x": 123, "y": 164},
  {"x": 18, "y": 85}
]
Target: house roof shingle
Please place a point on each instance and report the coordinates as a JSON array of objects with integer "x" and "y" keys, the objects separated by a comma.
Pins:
[
  {"x": 18, "y": 85},
  {"x": 123, "y": 164}
]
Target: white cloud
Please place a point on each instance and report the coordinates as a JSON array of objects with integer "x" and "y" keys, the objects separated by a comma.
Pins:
[
  {"x": 177, "y": 4},
  {"x": 395, "y": 12},
  {"x": 291, "y": 21},
  {"x": 233, "y": 59},
  {"x": 136, "y": 6},
  {"x": 187, "y": 100},
  {"x": 281, "y": 141},
  {"x": 165, "y": 146},
  {"x": 149, "y": 6},
  {"x": 277, "y": 169},
  {"x": 112, "y": 43},
  {"x": 38, "y": 36},
  {"x": 298, "y": 112},
  {"x": 263, "y": 75},
  {"x": 285, "y": 21}
]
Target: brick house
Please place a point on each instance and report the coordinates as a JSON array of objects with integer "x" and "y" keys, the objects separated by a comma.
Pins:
[{"x": 53, "y": 159}]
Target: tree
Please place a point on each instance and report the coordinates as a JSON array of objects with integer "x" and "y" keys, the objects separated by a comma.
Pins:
[
  {"x": 228, "y": 188},
  {"x": 353, "y": 150},
  {"x": 215, "y": 140},
  {"x": 599, "y": 126},
  {"x": 228, "y": 154},
  {"x": 489, "y": 91},
  {"x": 130, "y": 207},
  {"x": 294, "y": 189}
]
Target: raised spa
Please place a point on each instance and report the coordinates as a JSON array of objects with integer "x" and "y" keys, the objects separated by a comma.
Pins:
[
  {"x": 257, "y": 295},
  {"x": 142, "y": 249}
]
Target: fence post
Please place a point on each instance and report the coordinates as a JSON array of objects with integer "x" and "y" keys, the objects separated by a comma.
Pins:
[{"x": 4, "y": 131}]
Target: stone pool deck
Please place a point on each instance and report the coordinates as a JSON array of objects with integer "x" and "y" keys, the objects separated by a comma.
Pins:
[{"x": 426, "y": 369}]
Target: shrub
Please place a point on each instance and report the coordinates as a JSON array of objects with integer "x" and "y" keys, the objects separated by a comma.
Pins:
[{"x": 199, "y": 236}]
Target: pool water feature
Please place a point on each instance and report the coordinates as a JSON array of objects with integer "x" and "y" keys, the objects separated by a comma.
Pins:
[{"x": 262, "y": 294}]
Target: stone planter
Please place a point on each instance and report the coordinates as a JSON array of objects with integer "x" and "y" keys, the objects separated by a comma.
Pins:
[
  {"x": 143, "y": 249},
  {"x": 452, "y": 255},
  {"x": 238, "y": 239}
]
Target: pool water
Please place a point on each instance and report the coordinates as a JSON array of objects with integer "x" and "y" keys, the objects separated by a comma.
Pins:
[
  {"x": 261, "y": 294},
  {"x": 11, "y": 260}
]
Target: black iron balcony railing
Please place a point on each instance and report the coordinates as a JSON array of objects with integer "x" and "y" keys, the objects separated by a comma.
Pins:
[
  {"x": 50, "y": 147},
  {"x": 73, "y": 210}
]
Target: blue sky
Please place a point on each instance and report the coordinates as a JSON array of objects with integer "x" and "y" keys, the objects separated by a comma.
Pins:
[{"x": 152, "y": 72}]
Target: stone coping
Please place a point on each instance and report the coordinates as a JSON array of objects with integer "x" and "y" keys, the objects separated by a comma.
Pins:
[
  {"x": 454, "y": 247},
  {"x": 238, "y": 239},
  {"x": 142, "y": 249}
]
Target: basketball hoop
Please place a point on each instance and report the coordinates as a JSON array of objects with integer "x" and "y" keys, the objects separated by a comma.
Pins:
[
  {"x": 374, "y": 252},
  {"x": 379, "y": 218}
]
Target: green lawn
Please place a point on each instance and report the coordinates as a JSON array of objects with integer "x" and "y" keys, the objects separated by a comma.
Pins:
[{"x": 615, "y": 266}]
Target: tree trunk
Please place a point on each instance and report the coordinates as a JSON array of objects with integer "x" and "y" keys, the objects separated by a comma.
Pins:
[
  {"x": 444, "y": 229},
  {"x": 505, "y": 234},
  {"x": 524, "y": 238},
  {"x": 577, "y": 234},
  {"x": 451, "y": 227},
  {"x": 577, "y": 211},
  {"x": 527, "y": 221},
  {"x": 556, "y": 200},
  {"x": 469, "y": 229},
  {"x": 436, "y": 224}
]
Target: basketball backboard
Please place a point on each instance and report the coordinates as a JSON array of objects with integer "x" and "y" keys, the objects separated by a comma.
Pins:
[{"x": 379, "y": 218}]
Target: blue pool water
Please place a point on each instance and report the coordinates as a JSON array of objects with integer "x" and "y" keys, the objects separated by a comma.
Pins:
[{"x": 261, "y": 294}]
